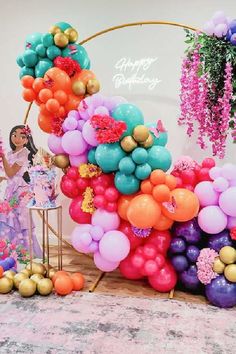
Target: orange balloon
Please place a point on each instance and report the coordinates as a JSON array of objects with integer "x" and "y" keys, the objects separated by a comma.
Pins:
[
  {"x": 158, "y": 177},
  {"x": 123, "y": 204},
  {"x": 161, "y": 193},
  {"x": 171, "y": 182},
  {"x": 58, "y": 274},
  {"x": 146, "y": 187},
  {"x": 44, "y": 122},
  {"x": 43, "y": 109},
  {"x": 61, "y": 111},
  {"x": 73, "y": 102},
  {"x": 38, "y": 84},
  {"x": 63, "y": 285},
  {"x": 52, "y": 105},
  {"x": 78, "y": 281},
  {"x": 27, "y": 81},
  {"x": 45, "y": 94},
  {"x": 185, "y": 205},
  {"x": 143, "y": 211},
  {"x": 163, "y": 223},
  {"x": 60, "y": 96},
  {"x": 1, "y": 271},
  {"x": 28, "y": 95},
  {"x": 57, "y": 79},
  {"x": 84, "y": 76}
]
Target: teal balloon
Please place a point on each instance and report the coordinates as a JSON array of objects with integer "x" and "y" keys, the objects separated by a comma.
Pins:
[
  {"x": 30, "y": 58},
  {"x": 162, "y": 139},
  {"x": 20, "y": 61},
  {"x": 130, "y": 114},
  {"x": 139, "y": 155},
  {"x": 77, "y": 53},
  {"x": 127, "y": 165},
  {"x": 32, "y": 40},
  {"x": 108, "y": 156},
  {"x": 53, "y": 51},
  {"x": 159, "y": 158},
  {"x": 143, "y": 171},
  {"x": 47, "y": 40},
  {"x": 41, "y": 50},
  {"x": 26, "y": 71},
  {"x": 88, "y": 65},
  {"x": 126, "y": 184},
  {"x": 91, "y": 156},
  {"x": 43, "y": 66},
  {"x": 63, "y": 25}
]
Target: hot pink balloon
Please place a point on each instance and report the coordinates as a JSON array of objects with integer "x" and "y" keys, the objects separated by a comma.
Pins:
[
  {"x": 206, "y": 193},
  {"x": 54, "y": 144},
  {"x": 114, "y": 246},
  {"x": 103, "y": 264},
  {"x": 89, "y": 134},
  {"x": 73, "y": 143},
  {"x": 78, "y": 160},
  {"x": 227, "y": 201},
  {"x": 108, "y": 221},
  {"x": 212, "y": 220}
]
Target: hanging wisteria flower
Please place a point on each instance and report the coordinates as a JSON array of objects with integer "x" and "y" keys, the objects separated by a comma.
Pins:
[{"x": 205, "y": 263}]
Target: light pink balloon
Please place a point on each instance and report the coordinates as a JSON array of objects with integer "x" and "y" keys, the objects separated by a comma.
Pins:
[
  {"x": 75, "y": 238},
  {"x": 212, "y": 220},
  {"x": 114, "y": 246},
  {"x": 220, "y": 184},
  {"x": 227, "y": 201},
  {"x": 89, "y": 134},
  {"x": 54, "y": 144},
  {"x": 108, "y": 221},
  {"x": 101, "y": 111},
  {"x": 215, "y": 172},
  {"x": 93, "y": 247},
  {"x": 73, "y": 143},
  {"x": 70, "y": 123},
  {"x": 209, "y": 28},
  {"x": 206, "y": 193},
  {"x": 219, "y": 17},
  {"x": 85, "y": 238},
  {"x": 220, "y": 30},
  {"x": 97, "y": 233},
  {"x": 78, "y": 160},
  {"x": 103, "y": 264}
]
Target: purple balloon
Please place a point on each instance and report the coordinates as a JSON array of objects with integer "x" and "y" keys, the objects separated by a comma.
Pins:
[
  {"x": 189, "y": 278},
  {"x": 114, "y": 246},
  {"x": 206, "y": 193},
  {"x": 180, "y": 263},
  {"x": 54, "y": 144},
  {"x": 192, "y": 253},
  {"x": 73, "y": 143},
  {"x": 78, "y": 160},
  {"x": 189, "y": 230},
  {"x": 212, "y": 220},
  {"x": 216, "y": 242},
  {"x": 89, "y": 134},
  {"x": 221, "y": 293},
  {"x": 177, "y": 245},
  {"x": 103, "y": 264},
  {"x": 227, "y": 201}
]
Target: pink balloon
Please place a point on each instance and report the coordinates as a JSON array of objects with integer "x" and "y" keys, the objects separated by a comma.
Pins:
[
  {"x": 101, "y": 111},
  {"x": 85, "y": 238},
  {"x": 70, "y": 123},
  {"x": 108, "y": 221},
  {"x": 93, "y": 247},
  {"x": 227, "y": 201},
  {"x": 97, "y": 233},
  {"x": 206, "y": 193},
  {"x": 212, "y": 220},
  {"x": 220, "y": 184},
  {"x": 54, "y": 144},
  {"x": 215, "y": 172},
  {"x": 75, "y": 238},
  {"x": 73, "y": 143},
  {"x": 89, "y": 134},
  {"x": 103, "y": 264},
  {"x": 78, "y": 160},
  {"x": 231, "y": 222},
  {"x": 114, "y": 246}
]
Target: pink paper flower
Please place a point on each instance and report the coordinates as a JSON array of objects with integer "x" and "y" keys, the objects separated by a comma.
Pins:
[{"x": 205, "y": 263}]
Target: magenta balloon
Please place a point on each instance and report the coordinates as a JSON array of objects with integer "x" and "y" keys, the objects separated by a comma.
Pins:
[
  {"x": 54, "y": 144},
  {"x": 73, "y": 143},
  {"x": 103, "y": 264},
  {"x": 114, "y": 246},
  {"x": 78, "y": 160},
  {"x": 220, "y": 184},
  {"x": 206, "y": 193},
  {"x": 108, "y": 221},
  {"x": 89, "y": 134},
  {"x": 231, "y": 222},
  {"x": 212, "y": 220},
  {"x": 227, "y": 201}
]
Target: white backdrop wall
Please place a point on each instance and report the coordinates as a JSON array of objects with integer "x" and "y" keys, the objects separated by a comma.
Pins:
[{"x": 164, "y": 44}]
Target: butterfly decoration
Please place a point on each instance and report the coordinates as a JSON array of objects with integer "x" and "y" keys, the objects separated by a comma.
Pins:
[
  {"x": 28, "y": 45},
  {"x": 159, "y": 129},
  {"x": 48, "y": 81},
  {"x": 73, "y": 49},
  {"x": 171, "y": 205}
]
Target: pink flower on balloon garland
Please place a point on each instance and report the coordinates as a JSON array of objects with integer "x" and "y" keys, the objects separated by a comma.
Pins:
[{"x": 205, "y": 263}]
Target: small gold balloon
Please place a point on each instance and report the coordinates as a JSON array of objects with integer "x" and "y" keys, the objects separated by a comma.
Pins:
[
  {"x": 26, "y": 271},
  {"x": 37, "y": 268},
  {"x": 61, "y": 161},
  {"x": 71, "y": 34},
  {"x": 78, "y": 88},
  {"x": 230, "y": 273},
  {"x": 93, "y": 86},
  {"x": 47, "y": 266},
  {"x": 140, "y": 133},
  {"x": 227, "y": 255},
  {"x": 9, "y": 274},
  {"x": 218, "y": 266},
  {"x": 45, "y": 286},
  {"x": 51, "y": 273},
  {"x": 147, "y": 143},
  {"x": 6, "y": 285},
  {"x": 54, "y": 30},
  {"x": 128, "y": 143},
  {"x": 36, "y": 277},
  {"x": 27, "y": 288},
  {"x": 18, "y": 278},
  {"x": 61, "y": 40}
]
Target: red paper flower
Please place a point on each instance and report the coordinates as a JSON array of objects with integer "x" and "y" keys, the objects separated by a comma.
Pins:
[
  {"x": 70, "y": 66},
  {"x": 108, "y": 130},
  {"x": 57, "y": 125},
  {"x": 233, "y": 233}
]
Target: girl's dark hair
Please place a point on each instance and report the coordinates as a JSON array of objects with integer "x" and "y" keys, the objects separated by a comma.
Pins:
[{"x": 30, "y": 146}]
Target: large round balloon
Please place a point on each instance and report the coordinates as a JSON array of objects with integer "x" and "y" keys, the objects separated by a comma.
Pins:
[
  {"x": 130, "y": 114},
  {"x": 159, "y": 158},
  {"x": 164, "y": 280},
  {"x": 222, "y": 293},
  {"x": 212, "y": 220},
  {"x": 114, "y": 246},
  {"x": 216, "y": 242},
  {"x": 189, "y": 230},
  {"x": 108, "y": 156},
  {"x": 126, "y": 184},
  {"x": 227, "y": 201}
]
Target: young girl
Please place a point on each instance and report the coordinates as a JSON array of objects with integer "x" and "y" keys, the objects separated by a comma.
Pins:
[{"x": 14, "y": 225}]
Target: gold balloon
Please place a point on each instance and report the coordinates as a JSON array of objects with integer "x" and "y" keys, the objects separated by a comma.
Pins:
[
  {"x": 51, "y": 273},
  {"x": 6, "y": 285},
  {"x": 9, "y": 274},
  {"x": 128, "y": 143},
  {"x": 61, "y": 40},
  {"x": 26, "y": 271},
  {"x": 61, "y": 161},
  {"x": 27, "y": 288},
  {"x": 18, "y": 278},
  {"x": 71, "y": 34},
  {"x": 78, "y": 88},
  {"x": 140, "y": 133},
  {"x": 93, "y": 86},
  {"x": 147, "y": 143},
  {"x": 45, "y": 287},
  {"x": 47, "y": 266},
  {"x": 227, "y": 255},
  {"x": 36, "y": 277},
  {"x": 230, "y": 273},
  {"x": 54, "y": 30},
  {"x": 218, "y": 266}
]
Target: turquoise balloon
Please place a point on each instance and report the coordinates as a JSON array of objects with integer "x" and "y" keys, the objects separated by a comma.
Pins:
[
  {"x": 32, "y": 40},
  {"x": 53, "y": 51},
  {"x": 143, "y": 171},
  {"x": 162, "y": 139},
  {"x": 126, "y": 165},
  {"x": 126, "y": 184},
  {"x": 159, "y": 158},
  {"x": 26, "y": 71},
  {"x": 130, "y": 114},
  {"x": 63, "y": 25},
  {"x": 20, "y": 61},
  {"x": 41, "y": 50},
  {"x": 91, "y": 156},
  {"x": 108, "y": 156},
  {"x": 47, "y": 40},
  {"x": 88, "y": 64},
  {"x": 30, "y": 58},
  {"x": 78, "y": 53},
  {"x": 140, "y": 155},
  {"x": 43, "y": 66}
]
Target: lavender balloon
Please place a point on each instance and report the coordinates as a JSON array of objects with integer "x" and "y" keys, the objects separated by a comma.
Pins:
[
  {"x": 70, "y": 123},
  {"x": 222, "y": 293},
  {"x": 216, "y": 242},
  {"x": 103, "y": 264},
  {"x": 189, "y": 230},
  {"x": 73, "y": 143},
  {"x": 212, "y": 220},
  {"x": 89, "y": 134},
  {"x": 54, "y": 144},
  {"x": 78, "y": 160},
  {"x": 114, "y": 246}
]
